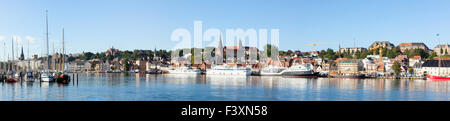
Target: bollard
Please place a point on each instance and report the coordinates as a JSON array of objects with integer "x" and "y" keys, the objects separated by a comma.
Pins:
[{"x": 77, "y": 78}]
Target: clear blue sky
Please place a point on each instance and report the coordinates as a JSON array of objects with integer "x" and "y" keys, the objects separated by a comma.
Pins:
[{"x": 95, "y": 25}]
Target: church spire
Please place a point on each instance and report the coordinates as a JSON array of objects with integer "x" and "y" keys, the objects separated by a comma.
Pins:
[{"x": 22, "y": 57}]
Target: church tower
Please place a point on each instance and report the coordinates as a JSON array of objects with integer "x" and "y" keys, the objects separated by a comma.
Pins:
[{"x": 22, "y": 57}]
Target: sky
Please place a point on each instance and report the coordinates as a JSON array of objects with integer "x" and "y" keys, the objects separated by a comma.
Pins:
[{"x": 96, "y": 25}]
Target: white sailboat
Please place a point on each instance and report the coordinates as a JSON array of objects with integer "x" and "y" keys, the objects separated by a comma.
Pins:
[{"x": 45, "y": 75}]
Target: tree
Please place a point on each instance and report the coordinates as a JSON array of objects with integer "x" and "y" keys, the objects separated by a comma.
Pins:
[
  {"x": 93, "y": 65},
  {"x": 125, "y": 65},
  {"x": 330, "y": 54},
  {"x": 417, "y": 52},
  {"x": 71, "y": 58},
  {"x": 433, "y": 54},
  {"x": 396, "y": 67},
  {"x": 269, "y": 48},
  {"x": 411, "y": 70},
  {"x": 307, "y": 54}
]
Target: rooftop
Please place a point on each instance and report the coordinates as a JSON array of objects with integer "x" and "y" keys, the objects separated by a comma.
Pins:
[{"x": 435, "y": 63}]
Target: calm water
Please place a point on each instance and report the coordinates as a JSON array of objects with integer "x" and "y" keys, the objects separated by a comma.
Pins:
[{"x": 121, "y": 87}]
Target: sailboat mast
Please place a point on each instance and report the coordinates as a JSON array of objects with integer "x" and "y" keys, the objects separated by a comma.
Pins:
[
  {"x": 439, "y": 67},
  {"x": 12, "y": 50},
  {"x": 46, "y": 23},
  {"x": 28, "y": 54},
  {"x": 63, "y": 53},
  {"x": 354, "y": 47}
]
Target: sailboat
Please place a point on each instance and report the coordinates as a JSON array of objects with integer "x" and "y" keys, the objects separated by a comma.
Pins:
[
  {"x": 61, "y": 77},
  {"x": 439, "y": 76},
  {"x": 46, "y": 76},
  {"x": 12, "y": 76},
  {"x": 28, "y": 73}
]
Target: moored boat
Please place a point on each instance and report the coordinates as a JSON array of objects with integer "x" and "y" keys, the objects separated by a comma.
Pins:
[
  {"x": 184, "y": 70},
  {"x": 438, "y": 77},
  {"x": 29, "y": 76},
  {"x": 154, "y": 71},
  {"x": 445, "y": 64},
  {"x": 347, "y": 76},
  {"x": 46, "y": 77},
  {"x": 229, "y": 70},
  {"x": 272, "y": 71},
  {"x": 62, "y": 78},
  {"x": 301, "y": 70}
]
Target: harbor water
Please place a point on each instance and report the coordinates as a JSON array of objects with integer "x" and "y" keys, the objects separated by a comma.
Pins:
[{"x": 167, "y": 87}]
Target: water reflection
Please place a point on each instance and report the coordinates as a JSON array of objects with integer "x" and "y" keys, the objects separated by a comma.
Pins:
[{"x": 201, "y": 87}]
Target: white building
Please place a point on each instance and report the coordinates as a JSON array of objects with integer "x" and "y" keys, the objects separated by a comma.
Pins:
[{"x": 431, "y": 67}]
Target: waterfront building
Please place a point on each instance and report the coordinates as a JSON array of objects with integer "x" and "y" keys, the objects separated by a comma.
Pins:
[
  {"x": 370, "y": 65},
  {"x": 403, "y": 61},
  {"x": 383, "y": 65},
  {"x": 115, "y": 65},
  {"x": 352, "y": 50},
  {"x": 384, "y": 44},
  {"x": 246, "y": 49},
  {"x": 432, "y": 67},
  {"x": 329, "y": 66},
  {"x": 414, "y": 60},
  {"x": 443, "y": 49},
  {"x": 141, "y": 65},
  {"x": 350, "y": 67},
  {"x": 417, "y": 67},
  {"x": 285, "y": 60},
  {"x": 98, "y": 65},
  {"x": 78, "y": 66},
  {"x": 409, "y": 46}
]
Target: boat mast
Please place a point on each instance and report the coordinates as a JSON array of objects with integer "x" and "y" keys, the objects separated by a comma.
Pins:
[
  {"x": 12, "y": 50},
  {"x": 4, "y": 54},
  {"x": 439, "y": 67},
  {"x": 46, "y": 23},
  {"x": 63, "y": 53},
  {"x": 28, "y": 54},
  {"x": 354, "y": 55}
]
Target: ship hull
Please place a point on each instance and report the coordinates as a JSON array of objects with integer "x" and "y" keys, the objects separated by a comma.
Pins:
[
  {"x": 299, "y": 73},
  {"x": 183, "y": 72},
  {"x": 228, "y": 72},
  {"x": 438, "y": 78},
  {"x": 270, "y": 74},
  {"x": 347, "y": 76},
  {"x": 47, "y": 79}
]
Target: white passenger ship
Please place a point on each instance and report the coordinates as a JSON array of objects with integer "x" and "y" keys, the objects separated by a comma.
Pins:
[
  {"x": 272, "y": 71},
  {"x": 231, "y": 70},
  {"x": 184, "y": 70}
]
